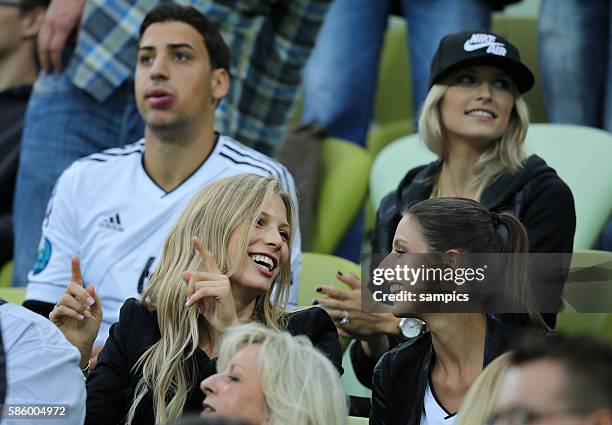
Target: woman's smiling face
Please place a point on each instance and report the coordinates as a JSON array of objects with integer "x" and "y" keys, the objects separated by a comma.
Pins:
[
  {"x": 477, "y": 104},
  {"x": 267, "y": 250}
]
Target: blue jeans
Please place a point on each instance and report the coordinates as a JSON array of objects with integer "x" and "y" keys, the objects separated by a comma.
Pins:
[
  {"x": 576, "y": 61},
  {"x": 62, "y": 124},
  {"x": 341, "y": 74},
  {"x": 577, "y": 69}
]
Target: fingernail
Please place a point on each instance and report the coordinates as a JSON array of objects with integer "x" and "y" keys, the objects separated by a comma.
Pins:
[
  {"x": 187, "y": 303},
  {"x": 340, "y": 273},
  {"x": 319, "y": 289},
  {"x": 80, "y": 316},
  {"x": 315, "y": 302},
  {"x": 90, "y": 301},
  {"x": 87, "y": 313}
]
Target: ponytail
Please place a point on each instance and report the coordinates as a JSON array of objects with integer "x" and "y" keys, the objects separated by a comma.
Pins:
[{"x": 515, "y": 241}]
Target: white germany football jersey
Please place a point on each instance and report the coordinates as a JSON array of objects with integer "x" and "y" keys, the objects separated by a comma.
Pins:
[{"x": 106, "y": 210}]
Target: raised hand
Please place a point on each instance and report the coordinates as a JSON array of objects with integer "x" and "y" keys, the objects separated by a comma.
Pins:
[
  {"x": 210, "y": 291},
  {"x": 78, "y": 313}
]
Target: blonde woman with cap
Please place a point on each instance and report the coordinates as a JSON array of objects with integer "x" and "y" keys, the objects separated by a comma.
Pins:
[
  {"x": 225, "y": 261},
  {"x": 268, "y": 377}
]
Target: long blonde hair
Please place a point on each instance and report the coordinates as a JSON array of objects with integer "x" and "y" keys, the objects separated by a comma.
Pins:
[
  {"x": 300, "y": 384},
  {"x": 478, "y": 403},
  {"x": 504, "y": 155},
  {"x": 169, "y": 366}
]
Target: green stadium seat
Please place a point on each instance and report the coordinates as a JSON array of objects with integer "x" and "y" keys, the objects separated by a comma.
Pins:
[{"x": 344, "y": 186}]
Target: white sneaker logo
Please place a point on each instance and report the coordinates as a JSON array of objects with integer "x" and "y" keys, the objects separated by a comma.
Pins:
[{"x": 480, "y": 41}]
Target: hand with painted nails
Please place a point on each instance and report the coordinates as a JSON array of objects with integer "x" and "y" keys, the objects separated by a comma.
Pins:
[
  {"x": 210, "y": 291},
  {"x": 344, "y": 307},
  {"x": 78, "y": 313}
]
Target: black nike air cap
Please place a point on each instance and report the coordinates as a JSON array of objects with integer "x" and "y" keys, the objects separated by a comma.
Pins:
[{"x": 467, "y": 48}]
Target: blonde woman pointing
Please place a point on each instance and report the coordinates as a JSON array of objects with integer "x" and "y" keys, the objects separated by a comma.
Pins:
[{"x": 166, "y": 343}]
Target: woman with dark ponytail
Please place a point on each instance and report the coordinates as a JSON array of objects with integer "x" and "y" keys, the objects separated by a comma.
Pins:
[{"x": 424, "y": 380}]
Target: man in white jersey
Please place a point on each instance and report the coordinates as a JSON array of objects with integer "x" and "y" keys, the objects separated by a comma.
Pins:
[{"x": 114, "y": 209}]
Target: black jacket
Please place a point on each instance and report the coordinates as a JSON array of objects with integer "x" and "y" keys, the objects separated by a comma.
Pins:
[
  {"x": 110, "y": 387},
  {"x": 401, "y": 375},
  {"x": 535, "y": 194}
]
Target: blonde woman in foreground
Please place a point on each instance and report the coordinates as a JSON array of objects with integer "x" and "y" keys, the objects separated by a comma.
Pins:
[
  {"x": 269, "y": 377},
  {"x": 225, "y": 261},
  {"x": 480, "y": 398}
]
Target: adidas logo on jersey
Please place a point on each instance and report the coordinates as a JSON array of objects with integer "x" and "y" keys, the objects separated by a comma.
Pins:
[{"x": 112, "y": 223}]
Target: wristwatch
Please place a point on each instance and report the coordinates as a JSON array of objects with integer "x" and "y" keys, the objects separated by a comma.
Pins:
[{"x": 410, "y": 327}]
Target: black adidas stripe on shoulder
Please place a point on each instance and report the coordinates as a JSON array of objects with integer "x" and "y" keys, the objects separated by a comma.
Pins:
[
  {"x": 243, "y": 162},
  {"x": 279, "y": 169},
  {"x": 248, "y": 153}
]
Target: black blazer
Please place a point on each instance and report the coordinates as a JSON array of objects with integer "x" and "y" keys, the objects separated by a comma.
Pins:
[{"x": 111, "y": 385}]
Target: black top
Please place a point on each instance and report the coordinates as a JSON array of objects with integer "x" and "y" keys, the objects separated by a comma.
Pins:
[
  {"x": 535, "y": 194},
  {"x": 401, "y": 375},
  {"x": 111, "y": 385}
]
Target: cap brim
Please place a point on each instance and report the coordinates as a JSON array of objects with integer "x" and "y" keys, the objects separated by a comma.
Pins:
[{"x": 518, "y": 72}]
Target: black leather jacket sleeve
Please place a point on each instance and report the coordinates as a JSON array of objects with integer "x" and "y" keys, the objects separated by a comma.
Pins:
[
  {"x": 378, "y": 412},
  {"x": 108, "y": 384}
]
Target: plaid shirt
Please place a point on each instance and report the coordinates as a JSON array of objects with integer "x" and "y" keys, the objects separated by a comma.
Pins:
[{"x": 269, "y": 40}]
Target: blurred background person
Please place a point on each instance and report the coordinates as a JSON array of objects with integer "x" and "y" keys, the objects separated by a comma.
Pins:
[
  {"x": 268, "y": 377},
  {"x": 20, "y": 21},
  {"x": 557, "y": 380}
]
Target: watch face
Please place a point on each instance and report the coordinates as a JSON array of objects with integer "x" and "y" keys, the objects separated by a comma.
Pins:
[{"x": 410, "y": 327}]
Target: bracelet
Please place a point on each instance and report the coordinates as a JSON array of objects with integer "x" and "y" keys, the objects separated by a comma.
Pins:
[{"x": 86, "y": 370}]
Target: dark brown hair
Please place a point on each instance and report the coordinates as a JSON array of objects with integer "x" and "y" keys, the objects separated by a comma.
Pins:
[
  {"x": 465, "y": 225},
  {"x": 218, "y": 52}
]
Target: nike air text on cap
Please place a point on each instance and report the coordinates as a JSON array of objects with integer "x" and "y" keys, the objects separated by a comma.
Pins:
[{"x": 463, "y": 49}]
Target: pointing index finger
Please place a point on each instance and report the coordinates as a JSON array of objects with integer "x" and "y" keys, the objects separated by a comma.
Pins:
[
  {"x": 76, "y": 270},
  {"x": 207, "y": 257}
]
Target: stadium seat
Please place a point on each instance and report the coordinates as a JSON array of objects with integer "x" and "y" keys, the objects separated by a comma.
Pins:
[
  {"x": 381, "y": 136},
  {"x": 393, "y": 97},
  {"x": 585, "y": 295},
  {"x": 320, "y": 269},
  {"x": 356, "y": 420},
  {"x": 344, "y": 186},
  {"x": 392, "y": 164},
  {"x": 582, "y": 156},
  {"x": 5, "y": 275},
  {"x": 13, "y": 295}
]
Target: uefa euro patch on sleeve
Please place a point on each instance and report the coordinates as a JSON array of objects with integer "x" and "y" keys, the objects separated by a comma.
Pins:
[{"x": 44, "y": 254}]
